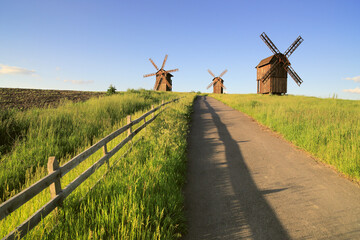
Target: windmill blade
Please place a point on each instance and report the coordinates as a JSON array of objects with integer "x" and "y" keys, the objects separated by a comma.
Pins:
[
  {"x": 154, "y": 64},
  {"x": 174, "y": 70},
  {"x": 167, "y": 83},
  {"x": 149, "y": 75},
  {"x": 222, "y": 85},
  {"x": 294, "y": 75},
  {"x": 162, "y": 67},
  {"x": 269, "y": 43},
  {"x": 270, "y": 71},
  {"x": 293, "y": 46},
  {"x": 212, "y": 83},
  {"x": 211, "y": 73},
  {"x": 223, "y": 73},
  {"x": 157, "y": 83}
]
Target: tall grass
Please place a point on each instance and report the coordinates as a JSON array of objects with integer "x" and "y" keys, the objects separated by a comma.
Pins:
[
  {"x": 36, "y": 134},
  {"x": 327, "y": 128},
  {"x": 141, "y": 198}
]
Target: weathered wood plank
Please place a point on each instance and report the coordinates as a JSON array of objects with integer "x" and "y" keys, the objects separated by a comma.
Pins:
[
  {"x": 87, "y": 173},
  {"x": 32, "y": 221},
  {"x": 87, "y": 153},
  {"x": 55, "y": 187},
  {"x": 145, "y": 115},
  {"x": 19, "y": 199}
]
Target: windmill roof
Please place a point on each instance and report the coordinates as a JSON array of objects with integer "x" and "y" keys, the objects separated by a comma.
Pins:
[
  {"x": 166, "y": 72},
  {"x": 265, "y": 61}
]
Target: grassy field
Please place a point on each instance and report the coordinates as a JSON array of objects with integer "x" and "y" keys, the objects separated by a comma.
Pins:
[
  {"x": 29, "y": 137},
  {"x": 327, "y": 128},
  {"x": 140, "y": 198}
]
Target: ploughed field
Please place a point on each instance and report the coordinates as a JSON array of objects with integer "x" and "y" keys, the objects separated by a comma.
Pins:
[{"x": 28, "y": 98}]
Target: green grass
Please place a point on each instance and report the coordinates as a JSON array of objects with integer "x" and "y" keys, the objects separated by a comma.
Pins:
[
  {"x": 141, "y": 198},
  {"x": 327, "y": 128},
  {"x": 30, "y": 137}
]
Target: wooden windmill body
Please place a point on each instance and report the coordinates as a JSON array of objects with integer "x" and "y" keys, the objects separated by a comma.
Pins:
[
  {"x": 163, "y": 78},
  {"x": 217, "y": 83},
  {"x": 272, "y": 71}
]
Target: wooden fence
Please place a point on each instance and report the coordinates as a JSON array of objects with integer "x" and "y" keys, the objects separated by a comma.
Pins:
[{"x": 56, "y": 173}]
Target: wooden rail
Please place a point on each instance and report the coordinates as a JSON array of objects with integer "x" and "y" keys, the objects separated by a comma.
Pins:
[{"x": 56, "y": 173}]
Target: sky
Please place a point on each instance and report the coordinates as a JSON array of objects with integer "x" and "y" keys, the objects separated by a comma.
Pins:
[{"x": 89, "y": 44}]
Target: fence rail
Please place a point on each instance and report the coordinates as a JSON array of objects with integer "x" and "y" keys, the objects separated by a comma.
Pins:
[{"x": 56, "y": 173}]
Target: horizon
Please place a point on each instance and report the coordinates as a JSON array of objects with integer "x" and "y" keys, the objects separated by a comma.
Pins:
[{"x": 86, "y": 46}]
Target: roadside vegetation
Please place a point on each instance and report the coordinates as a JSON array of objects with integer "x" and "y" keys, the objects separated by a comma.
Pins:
[
  {"x": 29, "y": 137},
  {"x": 327, "y": 128},
  {"x": 140, "y": 197}
]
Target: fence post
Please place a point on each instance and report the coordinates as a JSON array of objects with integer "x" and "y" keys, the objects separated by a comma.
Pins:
[
  {"x": 152, "y": 114},
  {"x": 105, "y": 151},
  {"x": 55, "y": 187},
  {"x": 128, "y": 119}
]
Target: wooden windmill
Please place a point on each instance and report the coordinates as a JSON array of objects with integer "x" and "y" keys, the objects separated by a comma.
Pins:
[
  {"x": 163, "y": 78},
  {"x": 272, "y": 71},
  {"x": 217, "y": 82}
]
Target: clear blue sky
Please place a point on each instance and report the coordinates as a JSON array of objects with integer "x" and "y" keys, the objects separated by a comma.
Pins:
[{"x": 88, "y": 44}]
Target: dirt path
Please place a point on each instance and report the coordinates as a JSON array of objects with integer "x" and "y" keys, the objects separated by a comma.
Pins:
[{"x": 246, "y": 183}]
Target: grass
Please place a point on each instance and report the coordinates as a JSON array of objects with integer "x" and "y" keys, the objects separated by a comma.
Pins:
[
  {"x": 140, "y": 198},
  {"x": 327, "y": 128},
  {"x": 29, "y": 137}
]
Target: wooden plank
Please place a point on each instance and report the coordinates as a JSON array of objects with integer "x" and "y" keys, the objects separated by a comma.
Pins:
[
  {"x": 19, "y": 199},
  {"x": 87, "y": 173},
  {"x": 32, "y": 221},
  {"x": 128, "y": 121},
  {"x": 136, "y": 121},
  {"x": 55, "y": 187},
  {"x": 88, "y": 152},
  {"x": 75, "y": 183}
]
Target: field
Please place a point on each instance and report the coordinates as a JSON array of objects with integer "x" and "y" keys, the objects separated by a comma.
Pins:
[
  {"x": 29, "y": 137},
  {"x": 28, "y": 98},
  {"x": 329, "y": 129},
  {"x": 140, "y": 197}
]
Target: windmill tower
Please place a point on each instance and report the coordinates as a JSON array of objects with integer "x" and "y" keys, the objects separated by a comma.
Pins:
[
  {"x": 163, "y": 78},
  {"x": 272, "y": 71},
  {"x": 217, "y": 82}
]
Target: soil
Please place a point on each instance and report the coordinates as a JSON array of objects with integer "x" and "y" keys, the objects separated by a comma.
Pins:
[{"x": 29, "y": 98}]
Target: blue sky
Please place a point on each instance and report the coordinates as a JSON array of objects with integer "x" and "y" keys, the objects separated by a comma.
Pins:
[{"x": 88, "y": 45}]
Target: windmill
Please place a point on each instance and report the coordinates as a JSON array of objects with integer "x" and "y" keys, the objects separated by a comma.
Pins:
[
  {"x": 272, "y": 71},
  {"x": 217, "y": 82},
  {"x": 163, "y": 78}
]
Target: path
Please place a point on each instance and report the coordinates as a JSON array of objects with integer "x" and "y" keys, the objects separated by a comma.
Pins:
[{"x": 245, "y": 183}]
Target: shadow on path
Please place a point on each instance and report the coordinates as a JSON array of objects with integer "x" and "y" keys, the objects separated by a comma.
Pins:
[{"x": 236, "y": 208}]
